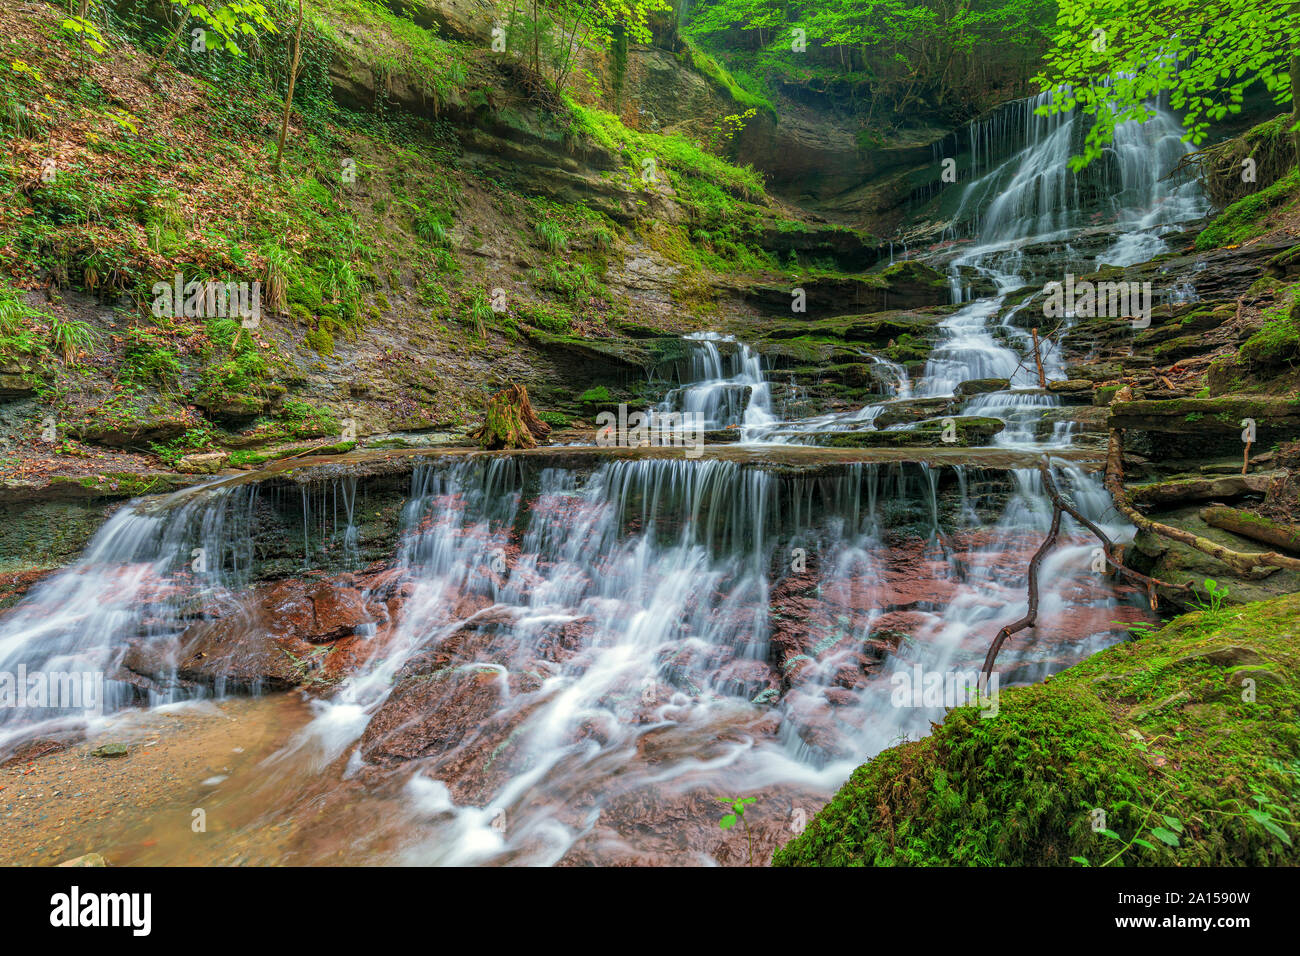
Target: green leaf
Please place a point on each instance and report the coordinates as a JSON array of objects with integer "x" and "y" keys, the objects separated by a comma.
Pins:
[
  {"x": 1081, "y": 860},
  {"x": 727, "y": 822},
  {"x": 1172, "y": 822},
  {"x": 1110, "y": 833},
  {"x": 1165, "y": 836}
]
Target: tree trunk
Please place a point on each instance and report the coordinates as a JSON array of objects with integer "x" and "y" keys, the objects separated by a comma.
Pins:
[
  {"x": 288, "y": 97},
  {"x": 510, "y": 421}
]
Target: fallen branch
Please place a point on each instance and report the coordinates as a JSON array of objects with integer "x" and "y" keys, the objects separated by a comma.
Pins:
[
  {"x": 1031, "y": 613},
  {"x": 1059, "y": 507},
  {"x": 1241, "y": 561},
  {"x": 1111, "y": 553}
]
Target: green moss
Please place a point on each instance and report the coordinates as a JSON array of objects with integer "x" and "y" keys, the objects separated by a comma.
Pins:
[
  {"x": 1247, "y": 217},
  {"x": 1160, "y": 726},
  {"x": 321, "y": 341},
  {"x": 1278, "y": 342},
  {"x": 723, "y": 79}
]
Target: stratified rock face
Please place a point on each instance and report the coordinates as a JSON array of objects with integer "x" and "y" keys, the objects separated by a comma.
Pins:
[{"x": 1192, "y": 429}]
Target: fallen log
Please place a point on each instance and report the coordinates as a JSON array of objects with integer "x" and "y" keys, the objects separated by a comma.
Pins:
[
  {"x": 510, "y": 421},
  {"x": 1253, "y": 526},
  {"x": 1243, "y": 562},
  {"x": 1182, "y": 490}
]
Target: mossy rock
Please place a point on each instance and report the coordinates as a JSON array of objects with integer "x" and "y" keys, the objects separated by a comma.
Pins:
[
  {"x": 1161, "y": 727},
  {"x": 981, "y": 386}
]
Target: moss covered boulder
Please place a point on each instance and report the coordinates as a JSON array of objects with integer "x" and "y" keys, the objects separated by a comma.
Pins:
[{"x": 1191, "y": 732}]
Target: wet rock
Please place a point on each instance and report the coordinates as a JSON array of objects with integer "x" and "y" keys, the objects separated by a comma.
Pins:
[
  {"x": 429, "y": 714},
  {"x": 89, "y": 859},
  {"x": 1197, "y": 428},
  {"x": 980, "y": 386},
  {"x": 909, "y": 410},
  {"x": 208, "y": 463},
  {"x": 1075, "y": 391},
  {"x": 338, "y": 612},
  {"x": 111, "y": 750},
  {"x": 959, "y": 432}
]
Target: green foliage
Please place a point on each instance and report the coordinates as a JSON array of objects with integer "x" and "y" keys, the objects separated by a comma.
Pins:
[
  {"x": 889, "y": 55},
  {"x": 478, "y": 314},
  {"x": 575, "y": 281},
  {"x": 753, "y": 101},
  {"x": 18, "y": 329},
  {"x": 549, "y": 316},
  {"x": 1150, "y": 731},
  {"x": 1211, "y": 607},
  {"x": 321, "y": 341},
  {"x": 595, "y": 396},
  {"x": 300, "y": 419},
  {"x": 546, "y": 38},
  {"x": 149, "y": 359},
  {"x": 1113, "y": 64},
  {"x": 551, "y": 235},
  {"x": 193, "y": 440},
  {"x": 554, "y": 419},
  {"x": 434, "y": 226}
]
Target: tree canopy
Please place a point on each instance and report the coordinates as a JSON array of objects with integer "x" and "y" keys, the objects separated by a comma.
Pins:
[{"x": 1114, "y": 58}]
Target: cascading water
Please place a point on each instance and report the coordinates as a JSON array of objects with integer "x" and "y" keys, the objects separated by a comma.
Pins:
[
  {"x": 1032, "y": 199},
  {"x": 138, "y": 581},
  {"x": 638, "y": 617},
  {"x": 726, "y": 392}
]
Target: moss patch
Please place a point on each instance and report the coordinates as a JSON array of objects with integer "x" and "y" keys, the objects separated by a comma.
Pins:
[{"x": 1143, "y": 730}]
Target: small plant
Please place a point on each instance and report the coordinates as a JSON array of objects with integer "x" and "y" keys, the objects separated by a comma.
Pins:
[
  {"x": 1138, "y": 629},
  {"x": 1212, "y": 608},
  {"x": 552, "y": 235},
  {"x": 478, "y": 312},
  {"x": 70, "y": 337},
  {"x": 1167, "y": 834},
  {"x": 737, "y": 813},
  {"x": 434, "y": 227}
]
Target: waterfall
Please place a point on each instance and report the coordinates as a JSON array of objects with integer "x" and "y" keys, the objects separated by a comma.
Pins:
[
  {"x": 644, "y": 601},
  {"x": 138, "y": 581}
]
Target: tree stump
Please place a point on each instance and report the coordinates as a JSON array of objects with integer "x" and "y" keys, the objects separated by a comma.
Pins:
[{"x": 510, "y": 421}]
